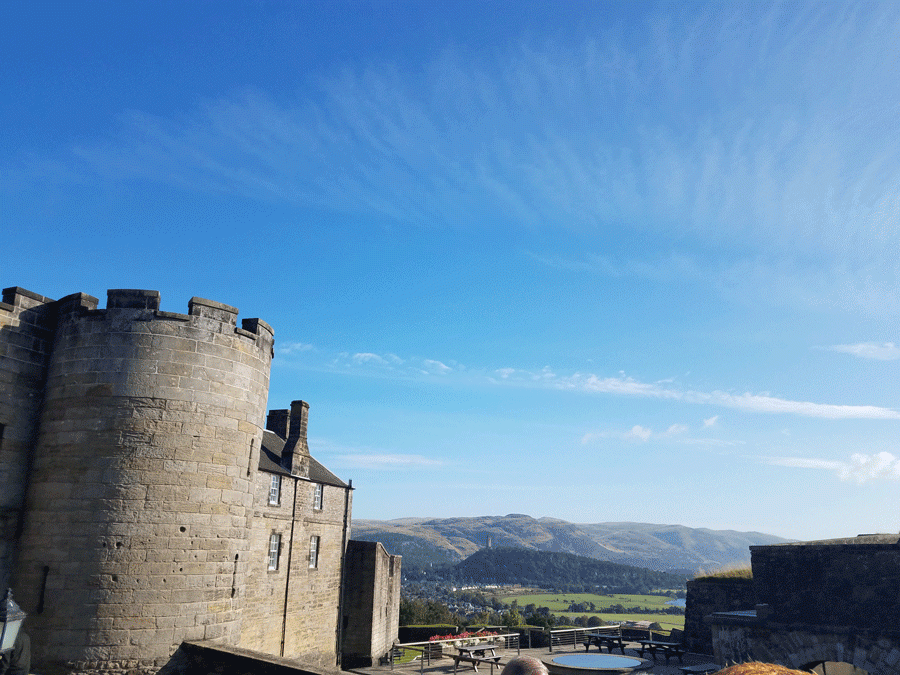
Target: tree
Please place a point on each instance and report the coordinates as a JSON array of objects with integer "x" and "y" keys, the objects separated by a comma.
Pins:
[
  {"x": 512, "y": 618},
  {"x": 412, "y": 612},
  {"x": 437, "y": 612}
]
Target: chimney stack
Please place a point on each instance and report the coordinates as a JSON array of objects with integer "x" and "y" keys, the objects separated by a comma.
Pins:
[
  {"x": 277, "y": 421},
  {"x": 291, "y": 426},
  {"x": 295, "y": 457}
]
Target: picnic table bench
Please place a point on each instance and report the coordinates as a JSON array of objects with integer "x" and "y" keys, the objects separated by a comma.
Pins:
[
  {"x": 667, "y": 649},
  {"x": 610, "y": 640},
  {"x": 476, "y": 654}
]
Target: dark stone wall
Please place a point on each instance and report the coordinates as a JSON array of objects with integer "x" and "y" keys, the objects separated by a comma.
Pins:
[
  {"x": 706, "y": 597},
  {"x": 835, "y": 600},
  {"x": 841, "y": 582}
]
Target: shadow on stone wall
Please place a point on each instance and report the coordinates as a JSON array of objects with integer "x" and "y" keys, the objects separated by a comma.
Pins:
[
  {"x": 211, "y": 658},
  {"x": 727, "y": 594}
]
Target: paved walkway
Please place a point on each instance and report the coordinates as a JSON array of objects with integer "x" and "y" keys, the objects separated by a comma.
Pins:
[{"x": 444, "y": 666}]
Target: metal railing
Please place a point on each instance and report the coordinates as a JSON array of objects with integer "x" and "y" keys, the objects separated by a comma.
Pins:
[
  {"x": 572, "y": 637},
  {"x": 434, "y": 649}
]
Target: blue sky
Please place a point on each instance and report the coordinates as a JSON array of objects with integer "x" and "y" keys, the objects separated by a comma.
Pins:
[{"x": 591, "y": 260}]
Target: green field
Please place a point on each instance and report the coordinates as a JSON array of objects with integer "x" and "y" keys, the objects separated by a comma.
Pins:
[{"x": 558, "y": 603}]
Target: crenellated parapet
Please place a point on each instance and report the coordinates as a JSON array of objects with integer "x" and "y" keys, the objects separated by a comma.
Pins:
[{"x": 143, "y": 305}]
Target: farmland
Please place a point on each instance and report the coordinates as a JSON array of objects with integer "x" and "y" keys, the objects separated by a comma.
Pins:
[{"x": 559, "y": 604}]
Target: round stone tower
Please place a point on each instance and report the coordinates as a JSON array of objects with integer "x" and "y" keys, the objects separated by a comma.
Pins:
[{"x": 136, "y": 529}]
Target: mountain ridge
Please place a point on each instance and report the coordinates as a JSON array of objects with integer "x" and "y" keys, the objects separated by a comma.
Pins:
[{"x": 426, "y": 541}]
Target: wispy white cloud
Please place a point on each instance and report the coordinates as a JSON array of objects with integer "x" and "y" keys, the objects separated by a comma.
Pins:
[
  {"x": 369, "y": 363},
  {"x": 637, "y": 433},
  {"x": 391, "y": 365},
  {"x": 379, "y": 461},
  {"x": 770, "y": 404},
  {"x": 288, "y": 348},
  {"x": 886, "y": 351},
  {"x": 596, "y": 135},
  {"x": 864, "y": 467},
  {"x": 762, "y": 403},
  {"x": 366, "y": 357},
  {"x": 432, "y": 366},
  {"x": 860, "y": 468}
]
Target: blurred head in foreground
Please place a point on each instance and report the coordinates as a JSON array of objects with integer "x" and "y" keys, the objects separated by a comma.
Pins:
[
  {"x": 524, "y": 665},
  {"x": 756, "y": 668}
]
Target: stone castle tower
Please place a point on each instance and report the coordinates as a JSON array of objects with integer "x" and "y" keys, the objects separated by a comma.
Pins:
[{"x": 139, "y": 430}]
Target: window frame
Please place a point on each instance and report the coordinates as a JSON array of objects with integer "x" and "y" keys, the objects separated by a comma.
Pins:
[
  {"x": 315, "y": 543},
  {"x": 318, "y": 496},
  {"x": 274, "y": 551},
  {"x": 275, "y": 484}
]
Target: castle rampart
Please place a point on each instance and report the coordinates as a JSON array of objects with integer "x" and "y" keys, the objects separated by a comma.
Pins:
[
  {"x": 820, "y": 601},
  {"x": 136, "y": 529}
]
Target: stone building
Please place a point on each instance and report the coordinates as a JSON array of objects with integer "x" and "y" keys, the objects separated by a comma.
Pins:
[{"x": 143, "y": 503}]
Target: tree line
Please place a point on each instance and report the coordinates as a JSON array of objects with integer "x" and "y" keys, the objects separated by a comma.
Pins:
[{"x": 419, "y": 612}]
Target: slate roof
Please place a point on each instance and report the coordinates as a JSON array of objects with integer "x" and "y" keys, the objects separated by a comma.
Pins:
[{"x": 270, "y": 461}]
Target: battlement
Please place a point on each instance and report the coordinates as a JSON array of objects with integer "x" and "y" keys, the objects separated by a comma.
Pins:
[
  {"x": 16, "y": 300},
  {"x": 16, "y": 297}
]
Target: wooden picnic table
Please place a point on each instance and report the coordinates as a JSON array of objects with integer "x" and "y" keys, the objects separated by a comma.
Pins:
[
  {"x": 667, "y": 649},
  {"x": 476, "y": 654},
  {"x": 610, "y": 640}
]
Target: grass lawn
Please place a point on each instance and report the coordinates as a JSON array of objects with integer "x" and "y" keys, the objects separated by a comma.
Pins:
[{"x": 558, "y": 603}]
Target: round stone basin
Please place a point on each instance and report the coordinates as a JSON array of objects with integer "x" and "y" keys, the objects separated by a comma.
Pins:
[{"x": 586, "y": 664}]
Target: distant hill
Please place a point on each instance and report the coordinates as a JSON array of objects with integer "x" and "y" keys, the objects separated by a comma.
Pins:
[
  {"x": 426, "y": 542},
  {"x": 548, "y": 569}
]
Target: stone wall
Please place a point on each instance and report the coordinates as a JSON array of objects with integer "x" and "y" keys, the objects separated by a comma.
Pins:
[
  {"x": 839, "y": 582},
  {"x": 803, "y": 647},
  {"x": 27, "y": 322},
  {"x": 263, "y": 628},
  {"x": 136, "y": 528},
  {"x": 315, "y": 598},
  {"x": 308, "y": 626},
  {"x": 834, "y": 600},
  {"x": 708, "y": 596},
  {"x": 371, "y": 603}
]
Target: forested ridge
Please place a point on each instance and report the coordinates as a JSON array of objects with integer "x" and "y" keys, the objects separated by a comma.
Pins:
[{"x": 561, "y": 571}]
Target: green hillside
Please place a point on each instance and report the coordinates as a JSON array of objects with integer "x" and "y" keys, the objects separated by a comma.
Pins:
[{"x": 548, "y": 569}]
